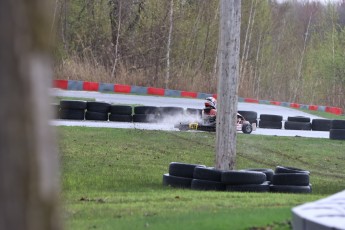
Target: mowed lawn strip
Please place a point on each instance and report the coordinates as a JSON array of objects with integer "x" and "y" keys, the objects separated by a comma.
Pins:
[{"x": 112, "y": 179}]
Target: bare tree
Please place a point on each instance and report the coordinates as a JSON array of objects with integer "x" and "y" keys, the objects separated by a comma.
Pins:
[
  {"x": 171, "y": 14},
  {"x": 28, "y": 156},
  {"x": 230, "y": 22}
]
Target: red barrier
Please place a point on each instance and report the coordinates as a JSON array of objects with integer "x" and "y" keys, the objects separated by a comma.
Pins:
[
  {"x": 251, "y": 100},
  {"x": 122, "y": 88},
  {"x": 334, "y": 110},
  {"x": 155, "y": 91},
  {"x": 61, "y": 84},
  {"x": 189, "y": 94},
  {"x": 295, "y": 105},
  {"x": 90, "y": 86},
  {"x": 313, "y": 107},
  {"x": 275, "y": 103}
]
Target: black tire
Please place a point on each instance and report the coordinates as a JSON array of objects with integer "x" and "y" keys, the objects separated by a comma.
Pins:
[
  {"x": 300, "y": 179},
  {"x": 264, "y": 187},
  {"x": 290, "y": 189},
  {"x": 73, "y": 104},
  {"x": 146, "y": 110},
  {"x": 99, "y": 107},
  {"x": 285, "y": 169},
  {"x": 176, "y": 182},
  {"x": 270, "y": 117},
  {"x": 120, "y": 118},
  {"x": 337, "y": 134},
  {"x": 337, "y": 124},
  {"x": 242, "y": 177},
  {"x": 145, "y": 118},
  {"x": 247, "y": 128},
  {"x": 207, "y": 173},
  {"x": 249, "y": 115},
  {"x": 182, "y": 169},
  {"x": 321, "y": 124},
  {"x": 207, "y": 185},
  {"x": 270, "y": 124},
  {"x": 72, "y": 114},
  {"x": 299, "y": 119},
  {"x": 121, "y": 109},
  {"x": 269, "y": 172},
  {"x": 96, "y": 116},
  {"x": 294, "y": 125}
]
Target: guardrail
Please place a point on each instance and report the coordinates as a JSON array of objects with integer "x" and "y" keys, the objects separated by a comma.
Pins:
[{"x": 131, "y": 89}]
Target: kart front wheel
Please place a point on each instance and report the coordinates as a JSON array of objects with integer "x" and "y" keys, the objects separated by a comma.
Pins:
[{"x": 247, "y": 128}]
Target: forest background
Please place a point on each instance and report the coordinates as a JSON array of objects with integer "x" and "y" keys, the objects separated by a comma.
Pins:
[{"x": 292, "y": 51}]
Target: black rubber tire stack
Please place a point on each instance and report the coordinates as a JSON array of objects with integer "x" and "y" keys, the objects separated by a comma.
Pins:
[
  {"x": 146, "y": 114},
  {"x": 207, "y": 178},
  {"x": 290, "y": 180},
  {"x": 268, "y": 121},
  {"x": 97, "y": 111},
  {"x": 245, "y": 181},
  {"x": 337, "y": 131},
  {"x": 72, "y": 109},
  {"x": 321, "y": 124},
  {"x": 121, "y": 113},
  {"x": 250, "y": 116},
  {"x": 180, "y": 175},
  {"x": 297, "y": 123}
]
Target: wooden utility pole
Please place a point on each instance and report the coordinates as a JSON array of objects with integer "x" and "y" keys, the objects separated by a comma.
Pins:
[
  {"x": 29, "y": 186},
  {"x": 230, "y": 23}
]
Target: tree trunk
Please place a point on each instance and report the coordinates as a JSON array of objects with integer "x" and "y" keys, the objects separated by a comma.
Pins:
[
  {"x": 230, "y": 22},
  {"x": 171, "y": 14},
  {"x": 29, "y": 186}
]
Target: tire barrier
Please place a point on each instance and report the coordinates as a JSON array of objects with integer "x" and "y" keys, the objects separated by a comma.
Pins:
[
  {"x": 337, "y": 131},
  {"x": 72, "y": 109},
  {"x": 121, "y": 113},
  {"x": 290, "y": 180},
  {"x": 101, "y": 111},
  {"x": 97, "y": 111},
  {"x": 200, "y": 177},
  {"x": 268, "y": 121}
]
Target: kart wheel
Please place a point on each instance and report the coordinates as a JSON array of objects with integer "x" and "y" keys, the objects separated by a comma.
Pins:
[{"x": 247, "y": 128}]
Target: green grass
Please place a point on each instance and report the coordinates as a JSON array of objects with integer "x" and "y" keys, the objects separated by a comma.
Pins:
[{"x": 112, "y": 179}]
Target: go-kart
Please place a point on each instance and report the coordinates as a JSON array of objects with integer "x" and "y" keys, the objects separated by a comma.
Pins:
[{"x": 208, "y": 123}]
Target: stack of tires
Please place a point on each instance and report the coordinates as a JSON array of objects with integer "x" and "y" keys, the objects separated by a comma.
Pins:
[
  {"x": 121, "y": 113},
  {"x": 147, "y": 114},
  {"x": 207, "y": 178},
  {"x": 290, "y": 180},
  {"x": 337, "y": 130},
  {"x": 298, "y": 123},
  {"x": 250, "y": 116},
  {"x": 97, "y": 111},
  {"x": 245, "y": 181},
  {"x": 72, "y": 109},
  {"x": 321, "y": 125},
  {"x": 268, "y": 121},
  {"x": 180, "y": 175}
]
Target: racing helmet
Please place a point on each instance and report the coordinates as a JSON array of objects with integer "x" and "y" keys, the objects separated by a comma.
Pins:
[{"x": 211, "y": 102}]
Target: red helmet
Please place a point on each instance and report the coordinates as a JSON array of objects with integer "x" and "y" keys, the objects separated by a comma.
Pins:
[{"x": 211, "y": 102}]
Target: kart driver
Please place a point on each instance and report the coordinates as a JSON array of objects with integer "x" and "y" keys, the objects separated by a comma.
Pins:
[{"x": 210, "y": 110}]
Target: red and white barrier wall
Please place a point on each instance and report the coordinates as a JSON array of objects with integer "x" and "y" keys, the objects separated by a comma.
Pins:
[{"x": 130, "y": 89}]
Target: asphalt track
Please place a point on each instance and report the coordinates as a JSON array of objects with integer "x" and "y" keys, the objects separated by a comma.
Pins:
[{"x": 168, "y": 125}]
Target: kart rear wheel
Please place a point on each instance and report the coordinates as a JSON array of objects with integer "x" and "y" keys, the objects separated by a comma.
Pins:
[{"x": 247, "y": 128}]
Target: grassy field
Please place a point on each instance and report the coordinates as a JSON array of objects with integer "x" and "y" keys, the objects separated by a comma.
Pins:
[{"x": 112, "y": 179}]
